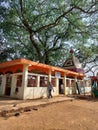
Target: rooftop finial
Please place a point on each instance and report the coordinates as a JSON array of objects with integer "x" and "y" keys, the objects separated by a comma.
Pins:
[{"x": 71, "y": 50}]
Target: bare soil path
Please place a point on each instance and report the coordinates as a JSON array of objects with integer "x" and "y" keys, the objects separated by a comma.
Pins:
[{"x": 67, "y": 115}]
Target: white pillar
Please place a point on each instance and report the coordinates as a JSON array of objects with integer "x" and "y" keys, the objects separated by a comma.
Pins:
[
  {"x": 38, "y": 81},
  {"x": 70, "y": 90},
  {"x": 13, "y": 85},
  {"x": 3, "y": 84},
  {"x": 65, "y": 84},
  {"x": 84, "y": 85},
  {"x": 57, "y": 85},
  {"x": 50, "y": 75},
  {"x": 24, "y": 81}
]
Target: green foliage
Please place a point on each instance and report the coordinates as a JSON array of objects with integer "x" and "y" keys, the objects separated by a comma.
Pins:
[{"x": 39, "y": 29}]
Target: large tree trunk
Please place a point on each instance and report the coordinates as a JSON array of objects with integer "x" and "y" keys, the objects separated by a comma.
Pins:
[
  {"x": 47, "y": 61},
  {"x": 37, "y": 48}
]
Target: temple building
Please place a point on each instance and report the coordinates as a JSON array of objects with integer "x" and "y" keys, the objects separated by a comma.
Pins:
[{"x": 25, "y": 79}]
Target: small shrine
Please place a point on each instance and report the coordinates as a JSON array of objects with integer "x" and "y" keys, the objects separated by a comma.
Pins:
[{"x": 72, "y": 63}]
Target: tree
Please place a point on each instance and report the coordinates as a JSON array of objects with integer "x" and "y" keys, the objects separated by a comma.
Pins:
[
  {"x": 88, "y": 56},
  {"x": 47, "y": 25}
]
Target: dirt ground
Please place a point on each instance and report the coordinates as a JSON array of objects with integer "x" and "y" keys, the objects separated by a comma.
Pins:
[{"x": 67, "y": 115}]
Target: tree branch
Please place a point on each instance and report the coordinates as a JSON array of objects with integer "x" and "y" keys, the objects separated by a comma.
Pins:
[
  {"x": 57, "y": 20},
  {"x": 24, "y": 21},
  {"x": 89, "y": 11}
]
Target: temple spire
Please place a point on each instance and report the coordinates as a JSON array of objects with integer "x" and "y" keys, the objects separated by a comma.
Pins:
[{"x": 72, "y": 63}]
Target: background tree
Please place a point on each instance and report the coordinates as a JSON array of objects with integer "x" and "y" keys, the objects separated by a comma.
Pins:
[{"x": 44, "y": 30}]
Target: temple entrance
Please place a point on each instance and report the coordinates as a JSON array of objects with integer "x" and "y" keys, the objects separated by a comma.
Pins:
[
  {"x": 61, "y": 86},
  {"x": 8, "y": 85}
]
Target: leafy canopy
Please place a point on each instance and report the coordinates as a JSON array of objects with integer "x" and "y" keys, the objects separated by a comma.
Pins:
[{"x": 44, "y": 30}]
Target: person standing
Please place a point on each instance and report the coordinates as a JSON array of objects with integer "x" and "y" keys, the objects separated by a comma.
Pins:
[
  {"x": 50, "y": 88},
  {"x": 62, "y": 89}
]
